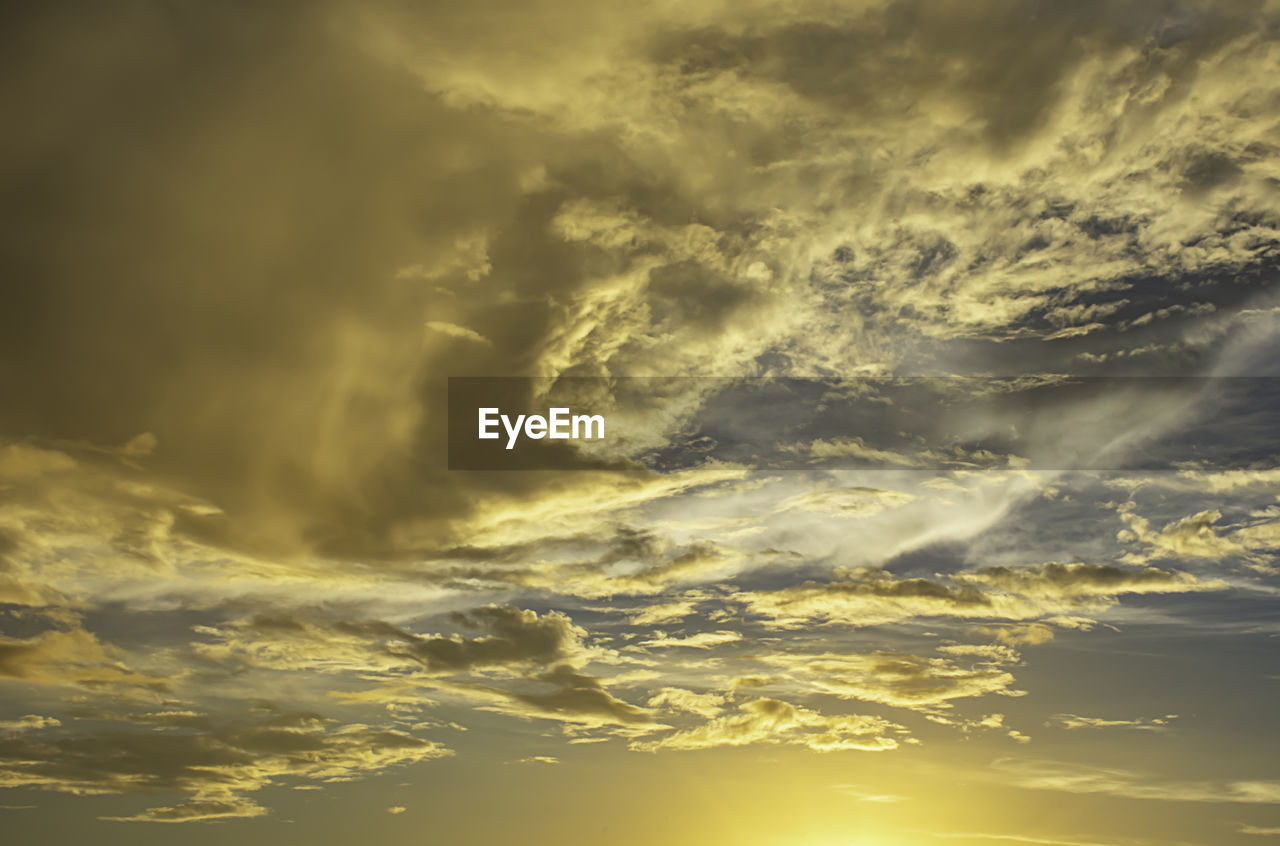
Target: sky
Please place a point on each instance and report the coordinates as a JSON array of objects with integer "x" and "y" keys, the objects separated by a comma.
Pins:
[{"x": 936, "y": 341}]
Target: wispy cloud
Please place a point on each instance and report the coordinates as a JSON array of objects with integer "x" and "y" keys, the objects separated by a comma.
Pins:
[{"x": 1079, "y": 778}]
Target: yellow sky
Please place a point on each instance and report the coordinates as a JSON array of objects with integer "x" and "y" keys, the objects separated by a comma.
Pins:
[{"x": 243, "y": 597}]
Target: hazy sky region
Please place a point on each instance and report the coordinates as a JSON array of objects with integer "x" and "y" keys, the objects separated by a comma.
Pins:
[{"x": 244, "y": 600}]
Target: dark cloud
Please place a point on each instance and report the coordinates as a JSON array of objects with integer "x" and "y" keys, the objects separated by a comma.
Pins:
[
  {"x": 74, "y": 657},
  {"x": 508, "y": 637},
  {"x": 241, "y": 186},
  {"x": 514, "y": 636},
  {"x": 1069, "y": 581},
  {"x": 215, "y": 764},
  {"x": 870, "y": 597},
  {"x": 576, "y": 695}
]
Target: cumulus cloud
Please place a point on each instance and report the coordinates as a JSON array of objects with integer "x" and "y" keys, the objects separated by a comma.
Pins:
[
  {"x": 1191, "y": 537},
  {"x": 1197, "y": 536}
]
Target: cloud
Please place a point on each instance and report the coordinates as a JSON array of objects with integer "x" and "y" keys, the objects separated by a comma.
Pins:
[
  {"x": 848, "y": 501},
  {"x": 748, "y": 682},
  {"x": 703, "y": 704},
  {"x": 515, "y": 636},
  {"x": 1078, "y": 778},
  {"x": 224, "y": 407},
  {"x": 1190, "y": 537},
  {"x": 455, "y": 331},
  {"x": 863, "y": 795},
  {"x": 578, "y": 701},
  {"x": 996, "y": 721},
  {"x": 19, "y": 461},
  {"x": 204, "y": 808},
  {"x": 857, "y": 448},
  {"x": 1081, "y": 583},
  {"x": 663, "y": 612},
  {"x": 1017, "y": 634},
  {"x": 869, "y": 596},
  {"x": 581, "y": 698},
  {"x": 29, "y": 722},
  {"x": 509, "y": 637},
  {"x": 701, "y": 640},
  {"x": 74, "y": 657},
  {"x": 522, "y": 664},
  {"x": 216, "y": 765},
  {"x": 1226, "y": 481},
  {"x": 1195, "y": 536},
  {"x": 1018, "y": 838},
  {"x": 993, "y": 653},
  {"x": 897, "y": 679},
  {"x": 578, "y": 220},
  {"x": 1074, "y": 721},
  {"x": 775, "y": 721}
]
